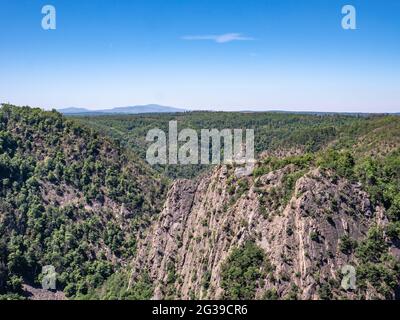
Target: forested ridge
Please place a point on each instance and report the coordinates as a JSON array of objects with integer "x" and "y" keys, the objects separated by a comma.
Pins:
[
  {"x": 68, "y": 198},
  {"x": 273, "y": 131}
]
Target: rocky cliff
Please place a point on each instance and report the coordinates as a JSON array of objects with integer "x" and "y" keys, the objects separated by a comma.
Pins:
[{"x": 307, "y": 222}]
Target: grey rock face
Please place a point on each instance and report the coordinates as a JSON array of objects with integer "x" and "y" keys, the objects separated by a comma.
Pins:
[{"x": 300, "y": 231}]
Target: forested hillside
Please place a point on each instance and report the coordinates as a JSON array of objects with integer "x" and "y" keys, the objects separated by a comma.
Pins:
[
  {"x": 297, "y": 133},
  {"x": 68, "y": 198}
]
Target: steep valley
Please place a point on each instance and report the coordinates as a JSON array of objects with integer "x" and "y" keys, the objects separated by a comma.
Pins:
[{"x": 324, "y": 195}]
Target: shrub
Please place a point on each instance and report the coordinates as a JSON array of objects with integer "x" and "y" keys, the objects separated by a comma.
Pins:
[
  {"x": 347, "y": 245},
  {"x": 241, "y": 271}
]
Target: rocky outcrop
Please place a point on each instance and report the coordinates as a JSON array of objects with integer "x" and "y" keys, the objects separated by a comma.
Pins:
[
  {"x": 33, "y": 293},
  {"x": 299, "y": 218}
]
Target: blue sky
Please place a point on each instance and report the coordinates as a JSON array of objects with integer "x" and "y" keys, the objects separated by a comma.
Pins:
[{"x": 288, "y": 54}]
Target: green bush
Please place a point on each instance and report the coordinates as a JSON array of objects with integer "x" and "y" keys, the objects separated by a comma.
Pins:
[{"x": 242, "y": 271}]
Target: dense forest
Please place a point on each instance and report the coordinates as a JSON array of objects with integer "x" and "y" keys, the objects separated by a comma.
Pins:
[
  {"x": 68, "y": 198},
  {"x": 273, "y": 131},
  {"x": 76, "y": 193}
]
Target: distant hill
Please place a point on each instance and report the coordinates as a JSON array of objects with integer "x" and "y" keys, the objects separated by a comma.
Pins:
[
  {"x": 73, "y": 110},
  {"x": 155, "y": 108},
  {"x": 150, "y": 108}
]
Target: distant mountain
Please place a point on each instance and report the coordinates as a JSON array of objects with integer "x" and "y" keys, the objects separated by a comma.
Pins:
[
  {"x": 150, "y": 108},
  {"x": 73, "y": 110}
]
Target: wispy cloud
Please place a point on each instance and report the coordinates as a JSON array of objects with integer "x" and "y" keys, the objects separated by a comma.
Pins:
[{"x": 222, "y": 38}]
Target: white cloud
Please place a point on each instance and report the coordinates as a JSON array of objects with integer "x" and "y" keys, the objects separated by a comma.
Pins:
[{"x": 223, "y": 38}]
